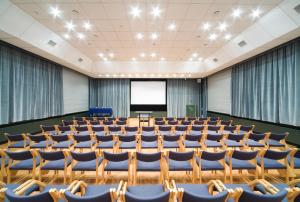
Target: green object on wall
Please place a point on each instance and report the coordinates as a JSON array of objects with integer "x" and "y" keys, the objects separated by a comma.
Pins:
[{"x": 191, "y": 110}]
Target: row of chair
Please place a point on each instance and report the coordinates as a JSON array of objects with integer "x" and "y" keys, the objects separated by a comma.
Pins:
[
  {"x": 213, "y": 191},
  {"x": 162, "y": 162}
]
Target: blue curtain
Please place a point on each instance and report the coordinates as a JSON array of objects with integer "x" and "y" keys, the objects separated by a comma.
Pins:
[
  {"x": 30, "y": 86},
  {"x": 181, "y": 92},
  {"x": 267, "y": 87},
  {"x": 114, "y": 93}
]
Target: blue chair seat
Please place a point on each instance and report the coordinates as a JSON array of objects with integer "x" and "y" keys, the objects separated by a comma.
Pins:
[
  {"x": 192, "y": 144},
  {"x": 146, "y": 190},
  {"x": 253, "y": 143},
  {"x": 106, "y": 145},
  {"x": 19, "y": 144},
  {"x": 274, "y": 143},
  {"x": 232, "y": 143},
  {"x": 148, "y": 166},
  {"x": 100, "y": 133},
  {"x": 180, "y": 165},
  {"x": 94, "y": 190},
  {"x": 42, "y": 144},
  {"x": 238, "y": 164},
  {"x": 25, "y": 164},
  {"x": 165, "y": 132},
  {"x": 63, "y": 144},
  {"x": 85, "y": 144},
  {"x": 130, "y": 133},
  {"x": 128, "y": 145},
  {"x": 209, "y": 165},
  {"x": 87, "y": 165},
  {"x": 117, "y": 166},
  {"x": 148, "y": 133},
  {"x": 170, "y": 144},
  {"x": 211, "y": 143},
  {"x": 56, "y": 165},
  {"x": 149, "y": 144},
  {"x": 271, "y": 164},
  {"x": 296, "y": 162},
  {"x": 212, "y": 132}
]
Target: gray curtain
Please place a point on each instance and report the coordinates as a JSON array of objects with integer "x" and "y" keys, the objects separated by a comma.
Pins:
[
  {"x": 114, "y": 93},
  {"x": 203, "y": 97},
  {"x": 267, "y": 87},
  {"x": 181, "y": 92},
  {"x": 30, "y": 86}
]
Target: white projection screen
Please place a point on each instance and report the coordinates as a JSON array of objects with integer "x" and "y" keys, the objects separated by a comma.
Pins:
[{"x": 148, "y": 93}]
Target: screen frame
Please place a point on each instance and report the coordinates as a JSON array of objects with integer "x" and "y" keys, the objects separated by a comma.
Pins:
[{"x": 149, "y": 107}]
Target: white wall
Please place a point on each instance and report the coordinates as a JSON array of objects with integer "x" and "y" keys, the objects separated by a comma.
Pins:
[
  {"x": 219, "y": 92},
  {"x": 76, "y": 91}
]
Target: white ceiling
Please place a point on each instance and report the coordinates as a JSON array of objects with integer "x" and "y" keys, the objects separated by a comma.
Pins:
[{"x": 114, "y": 31}]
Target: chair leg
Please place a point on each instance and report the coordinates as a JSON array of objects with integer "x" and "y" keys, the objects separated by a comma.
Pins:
[
  {"x": 230, "y": 172},
  {"x": 224, "y": 172},
  {"x": 71, "y": 176},
  {"x": 40, "y": 175}
]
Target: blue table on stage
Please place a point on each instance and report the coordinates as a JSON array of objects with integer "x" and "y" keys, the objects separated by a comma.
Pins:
[{"x": 101, "y": 111}]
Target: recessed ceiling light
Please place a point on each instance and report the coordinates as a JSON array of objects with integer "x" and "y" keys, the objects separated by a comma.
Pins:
[
  {"x": 189, "y": 75},
  {"x": 135, "y": 11},
  {"x": 67, "y": 36},
  {"x": 129, "y": 75},
  {"x": 200, "y": 59},
  {"x": 227, "y": 36},
  {"x": 80, "y": 36},
  {"x": 206, "y": 26},
  {"x": 152, "y": 75},
  {"x": 144, "y": 75},
  {"x": 105, "y": 59},
  {"x": 133, "y": 59},
  {"x": 174, "y": 75},
  {"x": 172, "y": 26},
  {"x": 107, "y": 75},
  {"x": 153, "y": 55},
  {"x": 111, "y": 55},
  {"x": 139, "y": 36},
  {"x": 162, "y": 59},
  {"x": 99, "y": 75},
  {"x": 222, "y": 26},
  {"x": 70, "y": 26},
  {"x": 167, "y": 75},
  {"x": 255, "y": 13},
  {"x": 122, "y": 75},
  {"x": 101, "y": 55},
  {"x": 154, "y": 36},
  {"x": 190, "y": 59},
  {"x": 156, "y": 11},
  {"x": 114, "y": 75},
  {"x": 87, "y": 25},
  {"x": 236, "y": 13},
  {"x": 142, "y": 55},
  {"x": 195, "y": 55},
  {"x": 181, "y": 75},
  {"x": 137, "y": 75},
  {"x": 213, "y": 37},
  {"x": 55, "y": 12}
]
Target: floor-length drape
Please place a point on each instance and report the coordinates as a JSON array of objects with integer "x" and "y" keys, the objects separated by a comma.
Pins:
[
  {"x": 114, "y": 93},
  {"x": 182, "y": 92},
  {"x": 30, "y": 86},
  {"x": 267, "y": 87},
  {"x": 203, "y": 97}
]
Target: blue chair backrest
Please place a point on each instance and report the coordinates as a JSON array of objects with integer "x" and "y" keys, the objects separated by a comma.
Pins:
[
  {"x": 148, "y": 157},
  {"x": 48, "y": 128},
  {"x": 181, "y": 156},
  {"x": 213, "y": 118},
  {"x": 94, "y": 123},
  {"x": 213, "y": 156},
  {"x": 60, "y": 138},
  {"x": 171, "y": 138},
  {"x": 78, "y": 118},
  {"x": 68, "y": 123},
  {"x": 108, "y": 122},
  {"x": 186, "y": 123},
  {"x": 159, "y": 123},
  {"x": 148, "y": 128},
  {"x": 198, "y": 128},
  {"x": 173, "y": 122},
  {"x": 246, "y": 128},
  {"x": 297, "y": 154},
  {"x": 149, "y": 138},
  {"x": 114, "y": 128},
  {"x": 121, "y": 123},
  {"x": 122, "y": 118},
  {"x": 214, "y": 128},
  {"x": 163, "y": 197},
  {"x": 244, "y": 155},
  {"x": 257, "y": 136},
  {"x": 191, "y": 197},
  {"x": 116, "y": 156},
  {"x": 214, "y": 137},
  {"x": 202, "y": 118},
  {"x": 80, "y": 122},
  {"x": 82, "y": 138},
  {"x": 100, "y": 118},
  {"x": 276, "y": 155},
  {"x": 42, "y": 196},
  {"x": 81, "y": 128},
  {"x": 180, "y": 119},
  {"x": 14, "y": 137},
  {"x": 64, "y": 128},
  {"x": 252, "y": 196},
  {"x": 105, "y": 138},
  {"x": 198, "y": 122},
  {"x": 235, "y": 137},
  {"x": 84, "y": 156},
  {"x": 111, "y": 118},
  {"x": 230, "y": 128},
  {"x": 170, "y": 118},
  {"x": 212, "y": 122},
  {"x": 37, "y": 138},
  {"x": 127, "y": 138},
  {"x": 97, "y": 128},
  {"x": 51, "y": 155},
  {"x": 180, "y": 128},
  {"x": 226, "y": 123},
  {"x": 158, "y": 119},
  {"x": 94, "y": 198},
  {"x": 278, "y": 136},
  {"x": 191, "y": 118},
  {"x": 131, "y": 128},
  {"x": 19, "y": 155},
  {"x": 193, "y": 137},
  {"x": 164, "y": 128}
]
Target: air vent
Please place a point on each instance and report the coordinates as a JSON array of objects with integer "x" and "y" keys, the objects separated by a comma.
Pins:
[
  {"x": 75, "y": 12},
  {"x": 242, "y": 43},
  {"x": 80, "y": 59},
  {"x": 51, "y": 43},
  {"x": 215, "y": 59},
  {"x": 297, "y": 8}
]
